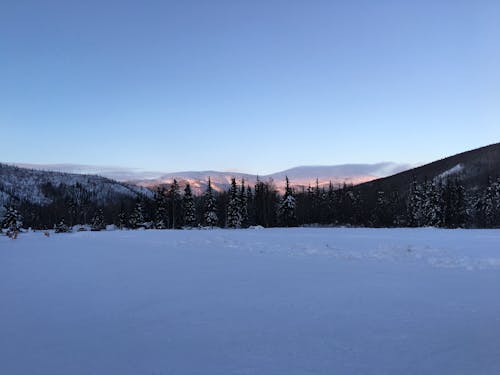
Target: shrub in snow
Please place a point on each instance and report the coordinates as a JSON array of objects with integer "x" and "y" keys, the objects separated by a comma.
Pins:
[{"x": 61, "y": 227}]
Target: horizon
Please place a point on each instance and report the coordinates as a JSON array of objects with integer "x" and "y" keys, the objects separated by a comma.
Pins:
[
  {"x": 346, "y": 171},
  {"x": 254, "y": 87}
]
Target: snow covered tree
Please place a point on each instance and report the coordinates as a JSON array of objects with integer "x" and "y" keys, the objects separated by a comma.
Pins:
[
  {"x": 98, "y": 221},
  {"x": 233, "y": 207},
  {"x": 433, "y": 204},
  {"x": 286, "y": 209},
  {"x": 188, "y": 207},
  {"x": 243, "y": 205},
  {"x": 136, "y": 218},
  {"x": 12, "y": 221},
  {"x": 161, "y": 209},
  {"x": 210, "y": 210},
  {"x": 490, "y": 204}
]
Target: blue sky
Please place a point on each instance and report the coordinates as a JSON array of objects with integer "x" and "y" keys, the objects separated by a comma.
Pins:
[{"x": 255, "y": 86}]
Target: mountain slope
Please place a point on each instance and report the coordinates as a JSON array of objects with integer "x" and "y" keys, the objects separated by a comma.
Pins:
[
  {"x": 37, "y": 187},
  {"x": 473, "y": 168}
]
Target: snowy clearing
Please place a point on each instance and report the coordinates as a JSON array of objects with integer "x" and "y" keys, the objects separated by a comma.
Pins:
[{"x": 273, "y": 301}]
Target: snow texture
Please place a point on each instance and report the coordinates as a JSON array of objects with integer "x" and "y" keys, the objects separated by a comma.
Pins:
[
  {"x": 456, "y": 169},
  {"x": 270, "y": 301}
]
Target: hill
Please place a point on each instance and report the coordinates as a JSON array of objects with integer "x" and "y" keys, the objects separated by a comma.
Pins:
[
  {"x": 474, "y": 168},
  {"x": 39, "y": 187}
]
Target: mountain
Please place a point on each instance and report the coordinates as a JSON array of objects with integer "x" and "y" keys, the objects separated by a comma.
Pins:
[
  {"x": 474, "y": 168},
  {"x": 42, "y": 187},
  {"x": 298, "y": 176}
]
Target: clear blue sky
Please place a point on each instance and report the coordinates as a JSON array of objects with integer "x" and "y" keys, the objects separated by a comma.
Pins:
[{"x": 255, "y": 86}]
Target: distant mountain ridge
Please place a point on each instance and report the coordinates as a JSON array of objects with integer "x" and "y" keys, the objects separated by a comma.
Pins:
[{"x": 299, "y": 176}]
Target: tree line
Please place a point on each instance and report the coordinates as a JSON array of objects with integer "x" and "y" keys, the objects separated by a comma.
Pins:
[{"x": 439, "y": 203}]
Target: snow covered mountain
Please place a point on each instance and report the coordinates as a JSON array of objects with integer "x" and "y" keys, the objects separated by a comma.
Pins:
[
  {"x": 299, "y": 176},
  {"x": 40, "y": 187}
]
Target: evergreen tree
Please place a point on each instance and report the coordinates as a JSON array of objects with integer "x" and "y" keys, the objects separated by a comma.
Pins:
[
  {"x": 98, "y": 221},
  {"x": 210, "y": 210},
  {"x": 12, "y": 220},
  {"x": 317, "y": 204},
  {"x": 122, "y": 219},
  {"x": 233, "y": 208},
  {"x": 188, "y": 207},
  {"x": 382, "y": 214},
  {"x": 415, "y": 217},
  {"x": 286, "y": 211},
  {"x": 433, "y": 205},
  {"x": 136, "y": 218},
  {"x": 331, "y": 204},
  {"x": 174, "y": 205},
  {"x": 243, "y": 205},
  {"x": 161, "y": 208},
  {"x": 266, "y": 203},
  {"x": 454, "y": 204},
  {"x": 490, "y": 204},
  {"x": 250, "y": 206}
]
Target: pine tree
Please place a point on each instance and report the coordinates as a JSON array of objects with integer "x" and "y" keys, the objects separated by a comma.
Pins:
[
  {"x": 433, "y": 205},
  {"x": 286, "y": 210},
  {"x": 250, "y": 206},
  {"x": 331, "y": 203},
  {"x": 12, "y": 221},
  {"x": 266, "y": 203},
  {"x": 317, "y": 203},
  {"x": 382, "y": 214},
  {"x": 122, "y": 220},
  {"x": 98, "y": 221},
  {"x": 490, "y": 204},
  {"x": 210, "y": 211},
  {"x": 161, "y": 215},
  {"x": 174, "y": 205},
  {"x": 243, "y": 205},
  {"x": 136, "y": 219},
  {"x": 415, "y": 215},
  {"x": 233, "y": 207},
  {"x": 188, "y": 207}
]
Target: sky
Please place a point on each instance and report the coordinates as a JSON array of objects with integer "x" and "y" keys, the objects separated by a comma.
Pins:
[{"x": 253, "y": 86}]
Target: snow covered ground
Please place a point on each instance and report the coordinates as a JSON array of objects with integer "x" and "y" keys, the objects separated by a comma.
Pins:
[{"x": 274, "y": 301}]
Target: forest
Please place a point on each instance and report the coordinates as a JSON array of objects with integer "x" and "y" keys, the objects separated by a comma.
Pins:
[{"x": 439, "y": 203}]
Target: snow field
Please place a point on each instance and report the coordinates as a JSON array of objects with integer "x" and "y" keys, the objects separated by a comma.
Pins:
[{"x": 272, "y": 301}]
